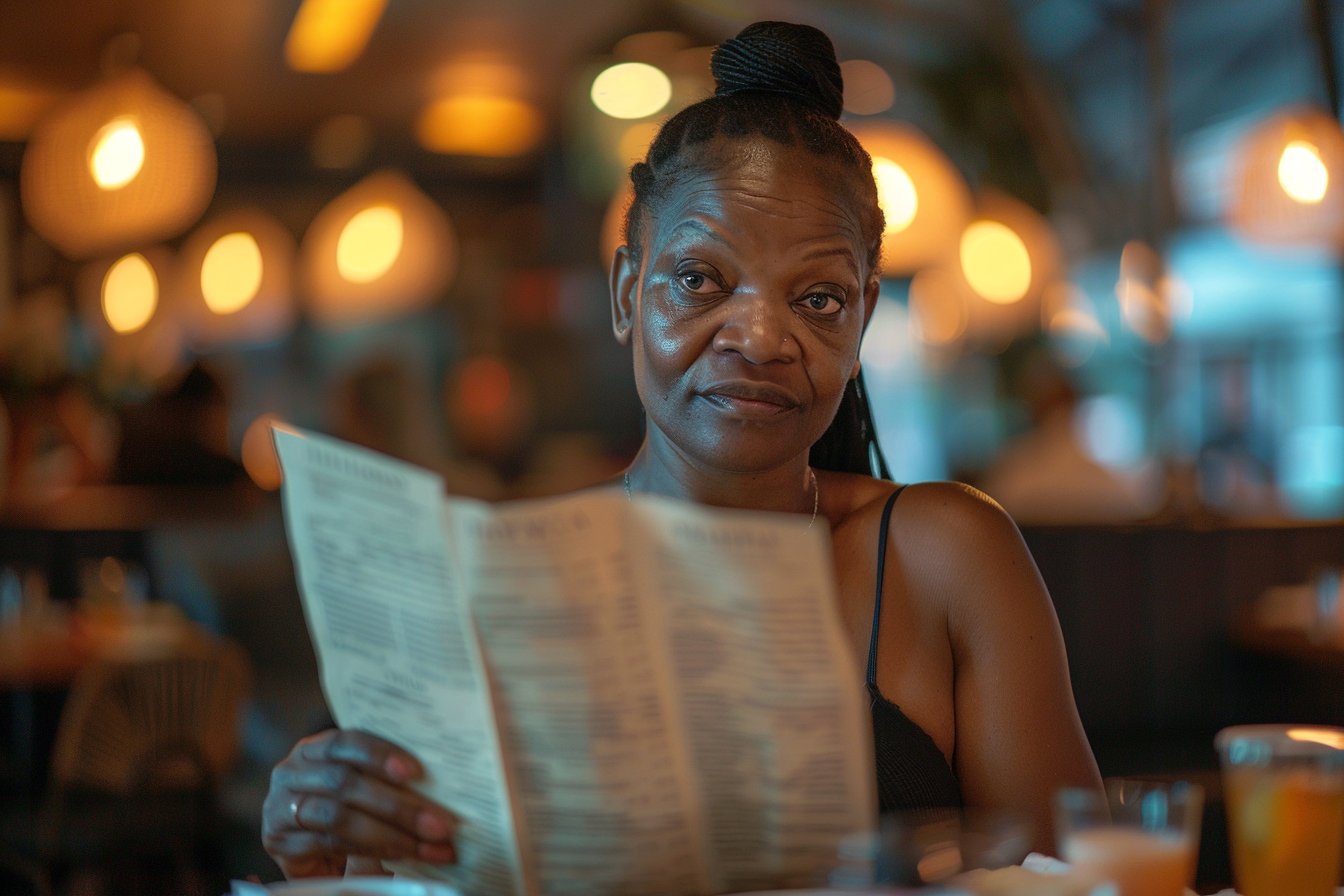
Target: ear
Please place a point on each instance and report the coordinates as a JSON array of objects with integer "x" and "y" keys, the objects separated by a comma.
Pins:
[
  {"x": 624, "y": 283},
  {"x": 870, "y": 294}
]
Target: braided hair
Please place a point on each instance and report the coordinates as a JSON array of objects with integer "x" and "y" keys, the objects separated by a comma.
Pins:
[{"x": 780, "y": 81}]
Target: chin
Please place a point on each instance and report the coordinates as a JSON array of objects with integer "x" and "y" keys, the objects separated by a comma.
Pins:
[{"x": 744, "y": 451}]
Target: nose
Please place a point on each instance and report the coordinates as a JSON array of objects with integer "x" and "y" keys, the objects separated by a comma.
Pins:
[{"x": 757, "y": 328}]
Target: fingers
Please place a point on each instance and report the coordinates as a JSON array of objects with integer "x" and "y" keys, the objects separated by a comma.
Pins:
[
  {"x": 369, "y": 753},
  {"x": 345, "y": 793},
  {"x": 339, "y": 827},
  {"x": 404, "y": 809}
]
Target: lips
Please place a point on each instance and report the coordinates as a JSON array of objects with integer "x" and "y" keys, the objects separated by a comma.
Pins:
[{"x": 750, "y": 398}]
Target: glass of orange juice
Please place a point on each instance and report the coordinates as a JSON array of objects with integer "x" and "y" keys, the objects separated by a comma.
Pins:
[
  {"x": 1284, "y": 786},
  {"x": 1143, "y": 836}
]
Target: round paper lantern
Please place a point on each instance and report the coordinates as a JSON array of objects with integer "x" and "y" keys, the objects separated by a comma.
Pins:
[
  {"x": 1286, "y": 181},
  {"x": 923, "y": 195},
  {"x": 235, "y": 280},
  {"x": 130, "y": 303},
  {"x": 379, "y": 250},
  {"x": 123, "y": 164},
  {"x": 1006, "y": 256}
]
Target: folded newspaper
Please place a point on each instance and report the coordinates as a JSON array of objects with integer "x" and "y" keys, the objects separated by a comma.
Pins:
[{"x": 616, "y": 697}]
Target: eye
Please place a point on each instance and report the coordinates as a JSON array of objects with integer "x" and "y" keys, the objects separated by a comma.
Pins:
[
  {"x": 823, "y": 303},
  {"x": 696, "y": 282}
]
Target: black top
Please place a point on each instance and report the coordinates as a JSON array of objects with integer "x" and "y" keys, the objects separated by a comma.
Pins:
[{"x": 912, "y": 772}]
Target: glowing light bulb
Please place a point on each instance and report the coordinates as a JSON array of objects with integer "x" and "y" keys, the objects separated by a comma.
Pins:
[
  {"x": 369, "y": 244},
  {"x": 472, "y": 125},
  {"x": 631, "y": 90},
  {"x": 895, "y": 194},
  {"x": 1326, "y": 738},
  {"x": 996, "y": 262},
  {"x": 329, "y": 35},
  {"x": 1302, "y": 174},
  {"x": 130, "y": 294},
  {"x": 231, "y": 273},
  {"x": 118, "y": 153}
]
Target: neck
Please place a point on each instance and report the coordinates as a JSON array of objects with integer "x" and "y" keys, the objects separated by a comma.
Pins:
[{"x": 661, "y": 468}]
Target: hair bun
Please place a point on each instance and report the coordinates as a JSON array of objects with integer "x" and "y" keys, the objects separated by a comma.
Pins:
[{"x": 781, "y": 57}]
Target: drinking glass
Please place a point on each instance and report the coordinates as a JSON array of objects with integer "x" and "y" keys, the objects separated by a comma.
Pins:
[
  {"x": 1143, "y": 836},
  {"x": 1284, "y": 786}
]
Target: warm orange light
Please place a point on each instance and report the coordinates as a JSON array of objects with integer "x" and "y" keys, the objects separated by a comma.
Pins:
[
  {"x": 634, "y": 143},
  {"x": 868, "y": 87},
  {"x": 117, "y": 153},
  {"x": 1302, "y": 174},
  {"x": 231, "y": 273},
  {"x": 631, "y": 90},
  {"x": 122, "y": 165},
  {"x": 895, "y": 194},
  {"x": 480, "y": 125},
  {"x": 613, "y": 222},
  {"x": 329, "y": 35},
  {"x": 369, "y": 244},
  {"x": 1323, "y": 736},
  {"x": 21, "y": 108},
  {"x": 360, "y": 266},
  {"x": 938, "y": 313},
  {"x": 130, "y": 294},
  {"x": 258, "y": 450},
  {"x": 926, "y": 216},
  {"x": 995, "y": 262}
]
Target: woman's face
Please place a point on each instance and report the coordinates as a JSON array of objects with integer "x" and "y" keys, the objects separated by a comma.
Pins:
[{"x": 748, "y": 305}]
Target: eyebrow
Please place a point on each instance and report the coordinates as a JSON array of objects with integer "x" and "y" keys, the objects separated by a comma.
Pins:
[{"x": 699, "y": 226}]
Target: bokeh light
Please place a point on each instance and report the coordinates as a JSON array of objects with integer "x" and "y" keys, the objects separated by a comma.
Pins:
[
  {"x": 868, "y": 87},
  {"x": 369, "y": 243},
  {"x": 995, "y": 262},
  {"x": 480, "y": 125},
  {"x": 896, "y": 194},
  {"x": 1302, "y": 174},
  {"x": 925, "y": 217},
  {"x": 235, "y": 286},
  {"x": 231, "y": 273},
  {"x": 123, "y": 165},
  {"x": 938, "y": 312},
  {"x": 118, "y": 153},
  {"x": 381, "y": 265},
  {"x": 1279, "y": 181},
  {"x": 634, "y": 143},
  {"x": 21, "y": 108},
  {"x": 329, "y": 35},
  {"x": 258, "y": 451},
  {"x": 631, "y": 90},
  {"x": 130, "y": 293}
]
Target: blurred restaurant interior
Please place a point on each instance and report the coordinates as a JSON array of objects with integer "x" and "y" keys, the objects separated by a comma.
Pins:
[{"x": 1112, "y": 299}]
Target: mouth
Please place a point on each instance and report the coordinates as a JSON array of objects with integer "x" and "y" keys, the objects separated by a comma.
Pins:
[{"x": 750, "y": 399}]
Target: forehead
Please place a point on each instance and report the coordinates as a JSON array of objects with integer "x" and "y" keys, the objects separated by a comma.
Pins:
[{"x": 762, "y": 188}]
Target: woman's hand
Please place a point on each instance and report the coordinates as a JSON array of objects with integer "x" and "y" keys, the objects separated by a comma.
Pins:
[{"x": 344, "y": 793}]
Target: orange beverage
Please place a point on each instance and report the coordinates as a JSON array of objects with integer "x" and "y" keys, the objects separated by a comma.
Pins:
[
  {"x": 1142, "y": 836},
  {"x": 1138, "y": 862},
  {"x": 1285, "y": 800}
]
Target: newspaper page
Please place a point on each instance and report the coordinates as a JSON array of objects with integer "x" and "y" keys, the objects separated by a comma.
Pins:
[{"x": 397, "y": 649}]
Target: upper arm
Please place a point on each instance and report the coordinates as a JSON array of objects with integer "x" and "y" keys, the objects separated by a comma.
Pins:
[{"x": 1018, "y": 736}]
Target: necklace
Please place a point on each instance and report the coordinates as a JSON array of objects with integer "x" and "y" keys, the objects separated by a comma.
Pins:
[{"x": 811, "y": 475}]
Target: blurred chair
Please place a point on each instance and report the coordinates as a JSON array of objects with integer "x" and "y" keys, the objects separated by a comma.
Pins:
[{"x": 145, "y": 738}]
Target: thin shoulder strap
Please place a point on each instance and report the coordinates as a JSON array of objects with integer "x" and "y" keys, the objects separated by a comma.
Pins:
[{"x": 881, "y": 571}]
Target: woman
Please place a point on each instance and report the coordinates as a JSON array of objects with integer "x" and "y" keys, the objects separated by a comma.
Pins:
[{"x": 747, "y": 278}]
